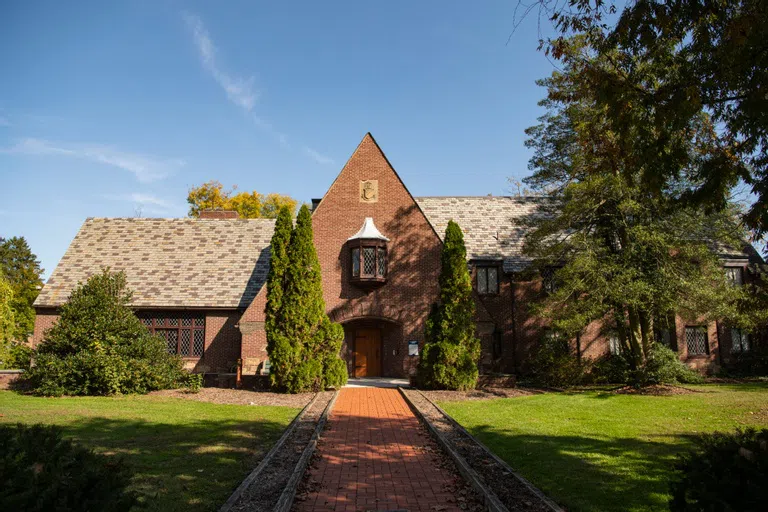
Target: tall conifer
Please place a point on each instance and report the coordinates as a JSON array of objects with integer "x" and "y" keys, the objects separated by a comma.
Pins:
[
  {"x": 278, "y": 264},
  {"x": 306, "y": 343},
  {"x": 451, "y": 349}
]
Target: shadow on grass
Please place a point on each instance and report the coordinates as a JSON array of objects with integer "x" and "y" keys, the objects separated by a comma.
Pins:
[
  {"x": 190, "y": 466},
  {"x": 591, "y": 473}
]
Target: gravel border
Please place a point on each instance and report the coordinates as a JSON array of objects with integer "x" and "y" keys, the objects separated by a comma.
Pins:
[
  {"x": 263, "y": 488},
  {"x": 239, "y": 397},
  {"x": 503, "y": 487}
]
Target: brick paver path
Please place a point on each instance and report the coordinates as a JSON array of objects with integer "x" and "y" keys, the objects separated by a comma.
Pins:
[{"x": 375, "y": 455}]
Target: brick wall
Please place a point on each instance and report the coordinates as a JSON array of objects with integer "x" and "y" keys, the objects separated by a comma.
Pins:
[
  {"x": 44, "y": 320},
  {"x": 222, "y": 343},
  {"x": 413, "y": 253}
]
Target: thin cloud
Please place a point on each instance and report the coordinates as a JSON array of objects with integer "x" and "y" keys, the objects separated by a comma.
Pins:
[
  {"x": 4, "y": 121},
  {"x": 318, "y": 157},
  {"x": 147, "y": 203},
  {"x": 146, "y": 168},
  {"x": 240, "y": 91}
]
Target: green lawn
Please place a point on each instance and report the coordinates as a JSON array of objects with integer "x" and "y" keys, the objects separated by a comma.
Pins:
[
  {"x": 602, "y": 451},
  {"x": 186, "y": 455}
]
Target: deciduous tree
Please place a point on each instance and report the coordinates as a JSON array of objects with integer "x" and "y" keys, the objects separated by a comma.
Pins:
[
  {"x": 249, "y": 205},
  {"x": 22, "y": 271}
]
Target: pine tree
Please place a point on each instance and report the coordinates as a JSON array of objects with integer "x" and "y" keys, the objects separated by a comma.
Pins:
[
  {"x": 451, "y": 348},
  {"x": 306, "y": 343},
  {"x": 278, "y": 264}
]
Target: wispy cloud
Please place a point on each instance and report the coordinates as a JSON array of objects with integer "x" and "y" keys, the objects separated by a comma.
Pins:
[
  {"x": 240, "y": 91},
  {"x": 146, "y": 168},
  {"x": 318, "y": 157},
  {"x": 147, "y": 203}
]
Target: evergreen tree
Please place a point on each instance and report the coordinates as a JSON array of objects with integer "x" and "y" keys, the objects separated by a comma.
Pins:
[
  {"x": 623, "y": 251},
  {"x": 7, "y": 321},
  {"x": 306, "y": 344},
  {"x": 451, "y": 349},
  {"x": 22, "y": 271},
  {"x": 278, "y": 264}
]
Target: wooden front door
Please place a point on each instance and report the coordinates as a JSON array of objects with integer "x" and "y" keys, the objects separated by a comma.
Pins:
[{"x": 368, "y": 353}]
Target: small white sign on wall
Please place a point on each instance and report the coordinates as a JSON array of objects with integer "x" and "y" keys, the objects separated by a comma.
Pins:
[{"x": 413, "y": 348}]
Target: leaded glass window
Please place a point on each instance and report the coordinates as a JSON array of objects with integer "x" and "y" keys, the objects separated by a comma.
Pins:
[
  {"x": 184, "y": 333},
  {"x": 369, "y": 261},
  {"x": 614, "y": 345},
  {"x": 487, "y": 280},
  {"x": 735, "y": 275},
  {"x": 356, "y": 262},
  {"x": 739, "y": 341},
  {"x": 696, "y": 340}
]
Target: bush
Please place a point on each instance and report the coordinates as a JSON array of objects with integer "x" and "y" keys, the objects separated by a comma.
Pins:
[
  {"x": 193, "y": 382},
  {"x": 663, "y": 366},
  {"x": 609, "y": 369},
  {"x": 99, "y": 347},
  {"x": 335, "y": 373},
  {"x": 725, "y": 472},
  {"x": 41, "y": 471},
  {"x": 753, "y": 363},
  {"x": 15, "y": 356},
  {"x": 554, "y": 366}
]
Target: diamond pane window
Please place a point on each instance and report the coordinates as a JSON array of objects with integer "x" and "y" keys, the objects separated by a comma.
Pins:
[
  {"x": 382, "y": 262},
  {"x": 368, "y": 255},
  {"x": 549, "y": 283},
  {"x": 171, "y": 340},
  {"x": 739, "y": 341},
  {"x": 199, "y": 346},
  {"x": 614, "y": 346},
  {"x": 734, "y": 275},
  {"x": 482, "y": 280},
  {"x": 185, "y": 342},
  {"x": 696, "y": 340},
  {"x": 184, "y": 333},
  {"x": 369, "y": 261},
  {"x": 356, "y": 262},
  {"x": 487, "y": 280}
]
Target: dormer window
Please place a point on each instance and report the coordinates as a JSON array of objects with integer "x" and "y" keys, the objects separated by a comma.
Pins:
[{"x": 368, "y": 255}]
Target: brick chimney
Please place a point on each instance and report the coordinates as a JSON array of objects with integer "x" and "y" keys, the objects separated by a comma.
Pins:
[{"x": 219, "y": 214}]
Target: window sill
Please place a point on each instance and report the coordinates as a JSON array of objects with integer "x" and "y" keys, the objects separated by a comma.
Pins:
[{"x": 368, "y": 281}]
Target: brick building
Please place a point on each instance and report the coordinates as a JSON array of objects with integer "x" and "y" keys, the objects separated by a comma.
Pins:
[{"x": 200, "y": 282}]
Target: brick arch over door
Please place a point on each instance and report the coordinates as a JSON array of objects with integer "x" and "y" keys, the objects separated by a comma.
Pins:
[{"x": 364, "y": 311}]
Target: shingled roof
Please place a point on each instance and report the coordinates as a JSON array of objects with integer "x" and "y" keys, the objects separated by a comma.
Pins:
[
  {"x": 206, "y": 263},
  {"x": 491, "y": 224}
]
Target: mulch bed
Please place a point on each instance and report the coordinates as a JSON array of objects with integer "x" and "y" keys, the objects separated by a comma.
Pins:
[
  {"x": 512, "y": 492},
  {"x": 477, "y": 394},
  {"x": 656, "y": 390},
  {"x": 239, "y": 397},
  {"x": 265, "y": 491}
]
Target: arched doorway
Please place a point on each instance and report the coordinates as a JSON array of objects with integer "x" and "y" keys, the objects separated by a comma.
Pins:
[{"x": 373, "y": 348}]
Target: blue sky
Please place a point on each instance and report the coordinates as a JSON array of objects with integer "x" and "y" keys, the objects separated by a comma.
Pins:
[{"x": 106, "y": 107}]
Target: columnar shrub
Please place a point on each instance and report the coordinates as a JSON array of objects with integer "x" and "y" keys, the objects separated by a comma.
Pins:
[
  {"x": 305, "y": 343},
  {"x": 41, "y": 471},
  {"x": 278, "y": 265},
  {"x": 100, "y": 347},
  {"x": 451, "y": 347}
]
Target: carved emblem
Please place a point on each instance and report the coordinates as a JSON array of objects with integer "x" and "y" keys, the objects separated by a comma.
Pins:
[{"x": 369, "y": 191}]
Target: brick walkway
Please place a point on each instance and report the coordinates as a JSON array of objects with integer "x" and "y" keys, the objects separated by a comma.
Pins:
[{"x": 375, "y": 455}]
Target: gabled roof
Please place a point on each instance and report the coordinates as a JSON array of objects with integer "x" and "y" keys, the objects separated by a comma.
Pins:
[
  {"x": 210, "y": 263},
  {"x": 491, "y": 224}
]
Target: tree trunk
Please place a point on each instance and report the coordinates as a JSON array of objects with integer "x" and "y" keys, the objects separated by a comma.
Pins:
[{"x": 635, "y": 335}]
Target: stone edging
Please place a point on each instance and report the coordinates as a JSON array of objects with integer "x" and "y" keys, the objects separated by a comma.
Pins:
[
  {"x": 266, "y": 460},
  {"x": 492, "y": 501},
  {"x": 285, "y": 502}
]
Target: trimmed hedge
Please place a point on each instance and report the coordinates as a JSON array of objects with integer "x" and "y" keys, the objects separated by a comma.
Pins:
[{"x": 41, "y": 471}]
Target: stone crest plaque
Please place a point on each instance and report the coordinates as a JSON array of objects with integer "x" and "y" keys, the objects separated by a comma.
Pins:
[{"x": 369, "y": 191}]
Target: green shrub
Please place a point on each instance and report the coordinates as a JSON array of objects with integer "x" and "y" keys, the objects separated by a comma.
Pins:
[
  {"x": 193, "y": 382},
  {"x": 609, "y": 369},
  {"x": 40, "y": 471},
  {"x": 15, "y": 356},
  {"x": 99, "y": 347},
  {"x": 335, "y": 373},
  {"x": 663, "y": 366},
  {"x": 554, "y": 366},
  {"x": 451, "y": 347},
  {"x": 753, "y": 363},
  {"x": 725, "y": 472}
]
